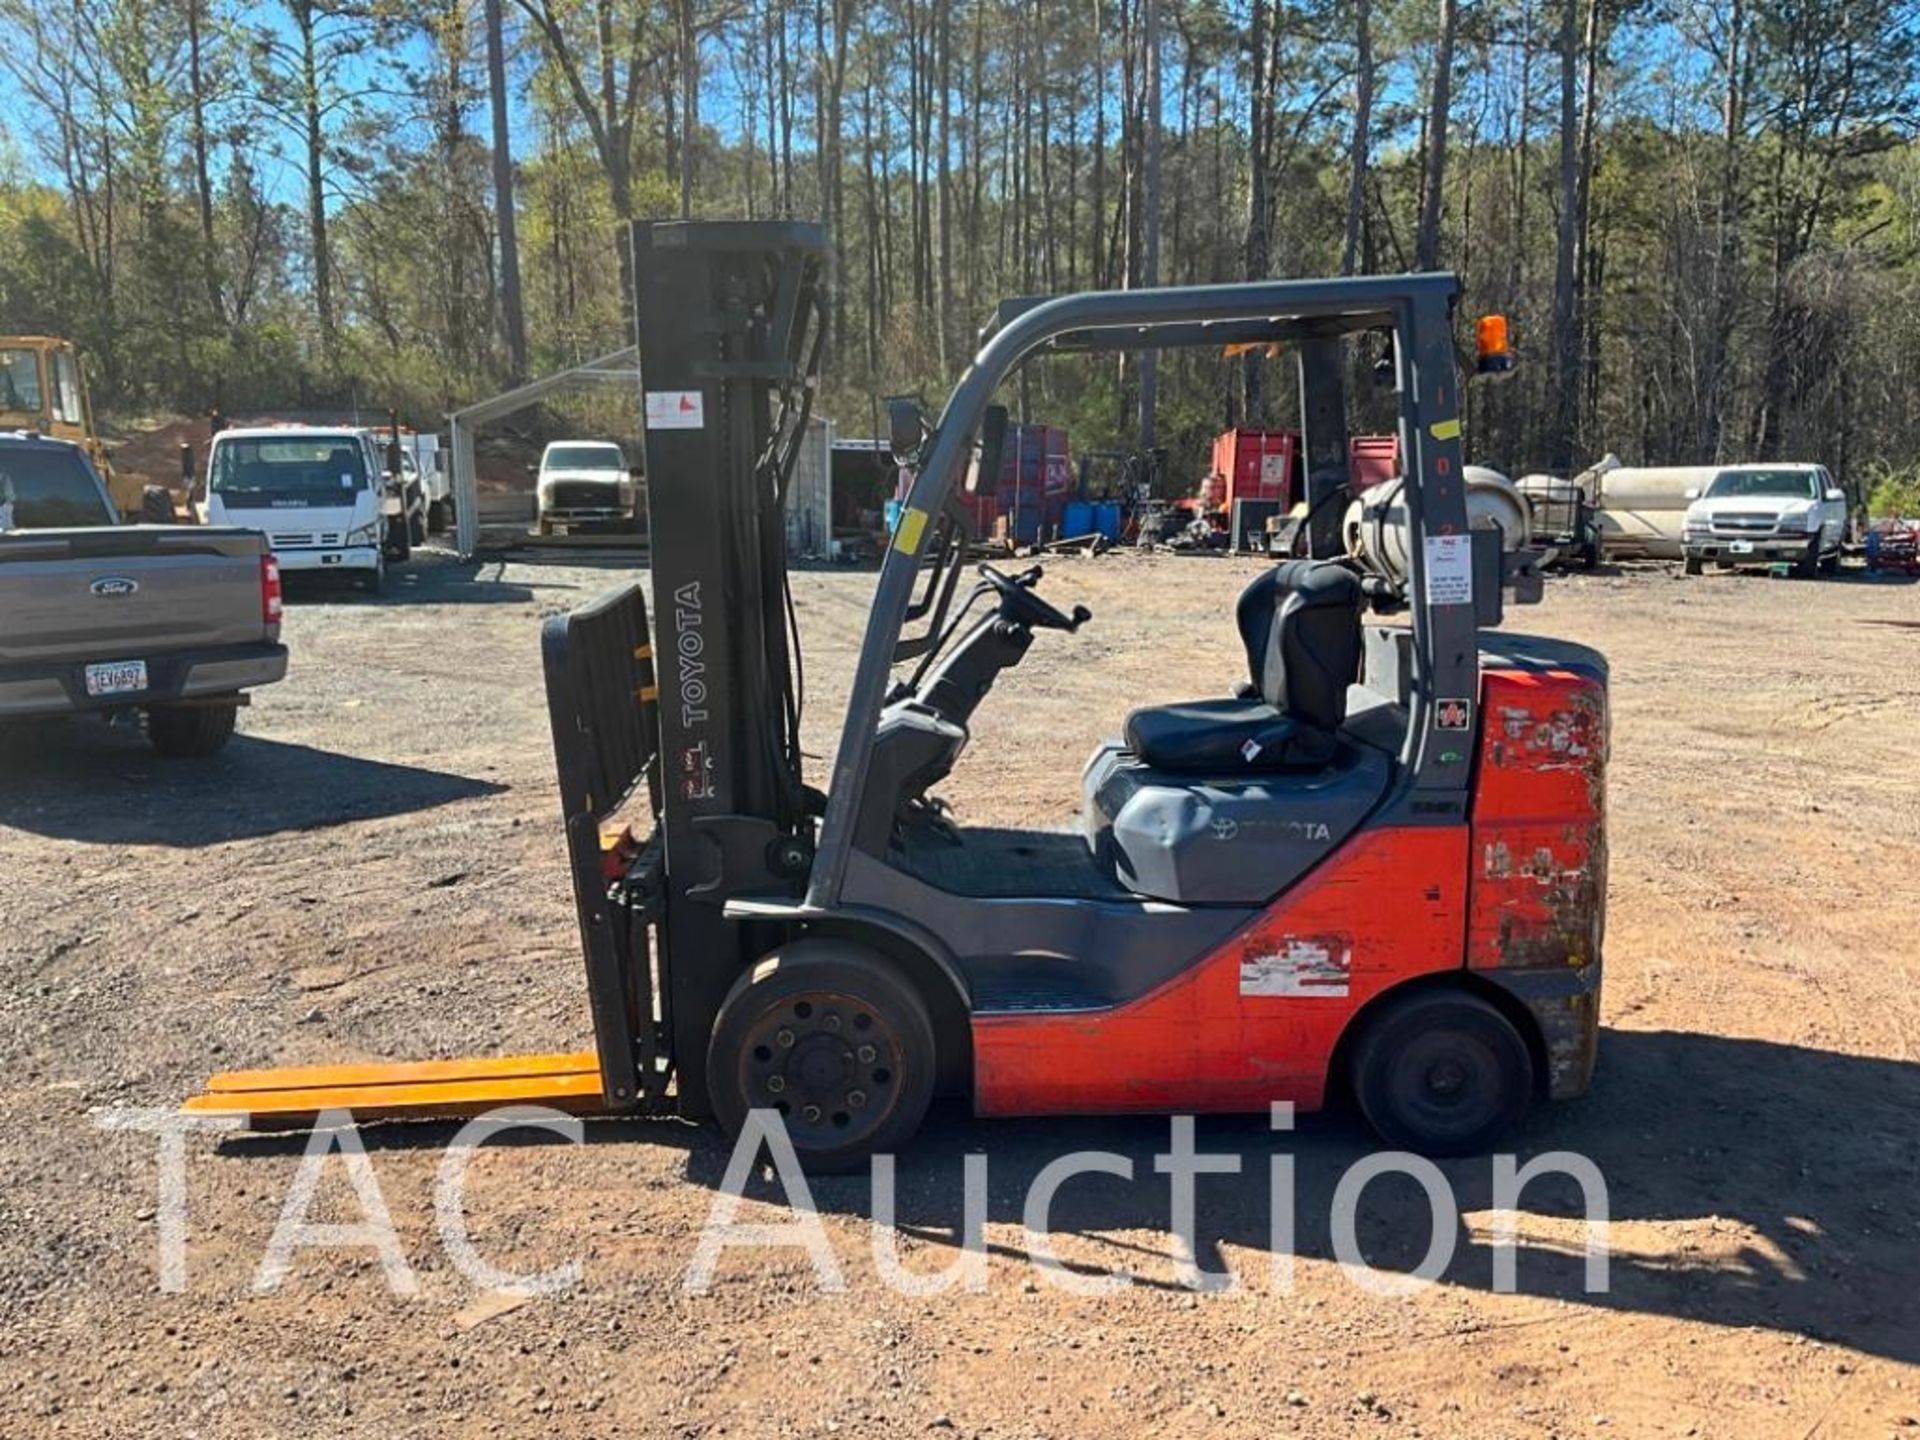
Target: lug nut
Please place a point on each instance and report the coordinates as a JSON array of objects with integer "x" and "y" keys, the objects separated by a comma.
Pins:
[
  {"x": 811, "y": 1114},
  {"x": 784, "y": 1039},
  {"x": 831, "y": 1024},
  {"x": 856, "y": 1099},
  {"x": 776, "y": 1083},
  {"x": 867, "y": 1054}
]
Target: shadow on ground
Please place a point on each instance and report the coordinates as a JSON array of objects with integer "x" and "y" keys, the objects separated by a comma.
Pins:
[
  {"x": 427, "y": 579},
  {"x": 1817, "y": 1154},
  {"x": 82, "y": 779},
  {"x": 1812, "y": 1156}
]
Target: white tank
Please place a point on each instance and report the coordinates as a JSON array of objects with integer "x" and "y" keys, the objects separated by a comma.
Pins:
[
  {"x": 1642, "y": 508},
  {"x": 1376, "y": 522}
]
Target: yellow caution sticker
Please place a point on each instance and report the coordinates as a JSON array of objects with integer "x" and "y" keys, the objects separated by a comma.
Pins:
[
  {"x": 906, "y": 536},
  {"x": 1445, "y": 429}
]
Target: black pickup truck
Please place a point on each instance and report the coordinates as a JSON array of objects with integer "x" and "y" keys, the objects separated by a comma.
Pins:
[{"x": 174, "y": 621}]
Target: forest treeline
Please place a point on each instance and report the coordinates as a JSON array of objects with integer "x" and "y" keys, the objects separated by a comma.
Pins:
[{"x": 1703, "y": 216}]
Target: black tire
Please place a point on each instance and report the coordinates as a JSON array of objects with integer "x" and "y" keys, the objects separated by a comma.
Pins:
[
  {"x": 191, "y": 731},
  {"x": 1807, "y": 567},
  {"x": 417, "y": 529},
  {"x": 1692, "y": 565},
  {"x": 156, "y": 506},
  {"x": 374, "y": 581},
  {"x": 1830, "y": 563},
  {"x": 439, "y": 516},
  {"x": 1442, "y": 1072},
  {"x": 834, "y": 1038}
]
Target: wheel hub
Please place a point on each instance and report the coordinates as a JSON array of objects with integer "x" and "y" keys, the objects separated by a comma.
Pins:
[
  {"x": 1449, "y": 1082},
  {"x": 826, "y": 1064}
]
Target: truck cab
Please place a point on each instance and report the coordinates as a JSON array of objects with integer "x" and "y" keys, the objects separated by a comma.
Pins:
[
  {"x": 1764, "y": 514},
  {"x": 319, "y": 493}
]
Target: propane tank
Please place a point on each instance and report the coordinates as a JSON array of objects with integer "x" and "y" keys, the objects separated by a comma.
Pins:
[{"x": 1376, "y": 522}]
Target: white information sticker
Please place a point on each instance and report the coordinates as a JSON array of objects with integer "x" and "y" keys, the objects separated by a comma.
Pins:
[
  {"x": 675, "y": 410},
  {"x": 1301, "y": 966},
  {"x": 1449, "y": 569}
]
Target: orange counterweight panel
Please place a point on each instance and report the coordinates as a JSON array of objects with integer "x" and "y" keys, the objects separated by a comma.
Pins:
[
  {"x": 1539, "y": 822},
  {"x": 1258, "y": 1019}
]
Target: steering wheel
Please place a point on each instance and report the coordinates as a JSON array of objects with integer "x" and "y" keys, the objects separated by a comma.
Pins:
[{"x": 1020, "y": 602}]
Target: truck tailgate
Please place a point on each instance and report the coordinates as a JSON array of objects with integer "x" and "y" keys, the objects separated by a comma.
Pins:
[{"x": 127, "y": 591}]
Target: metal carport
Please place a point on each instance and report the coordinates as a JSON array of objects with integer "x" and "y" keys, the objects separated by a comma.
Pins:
[{"x": 621, "y": 366}]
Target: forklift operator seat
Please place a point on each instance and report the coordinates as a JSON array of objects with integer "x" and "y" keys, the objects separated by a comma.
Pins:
[{"x": 1300, "y": 623}]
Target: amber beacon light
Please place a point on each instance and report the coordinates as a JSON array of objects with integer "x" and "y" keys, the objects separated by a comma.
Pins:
[{"x": 1494, "y": 342}]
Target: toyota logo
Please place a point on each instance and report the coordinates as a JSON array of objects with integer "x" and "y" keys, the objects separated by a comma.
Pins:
[{"x": 108, "y": 586}]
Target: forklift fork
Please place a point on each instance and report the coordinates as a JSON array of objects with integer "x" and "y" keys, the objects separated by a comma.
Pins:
[{"x": 602, "y": 699}]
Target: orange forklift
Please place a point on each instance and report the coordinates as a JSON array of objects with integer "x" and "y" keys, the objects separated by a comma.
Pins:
[{"x": 1374, "y": 863}]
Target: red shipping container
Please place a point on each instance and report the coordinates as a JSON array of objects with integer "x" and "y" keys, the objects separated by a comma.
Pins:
[
  {"x": 1371, "y": 459},
  {"x": 1257, "y": 465}
]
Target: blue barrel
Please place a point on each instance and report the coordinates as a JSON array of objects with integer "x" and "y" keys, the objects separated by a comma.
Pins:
[
  {"x": 1107, "y": 516},
  {"x": 1081, "y": 518}
]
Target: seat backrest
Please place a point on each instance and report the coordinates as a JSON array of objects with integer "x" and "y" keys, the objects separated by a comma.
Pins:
[
  {"x": 1313, "y": 642},
  {"x": 1254, "y": 613}
]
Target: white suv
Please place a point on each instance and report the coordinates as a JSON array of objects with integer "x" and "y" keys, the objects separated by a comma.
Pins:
[{"x": 1760, "y": 514}]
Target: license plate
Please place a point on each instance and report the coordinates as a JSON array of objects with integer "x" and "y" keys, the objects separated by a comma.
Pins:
[
  {"x": 1741, "y": 547},
  {"x": 117, "y": 677}
]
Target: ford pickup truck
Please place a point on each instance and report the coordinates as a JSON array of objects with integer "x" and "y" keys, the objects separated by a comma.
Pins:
[{"x": 172, "y": 622}]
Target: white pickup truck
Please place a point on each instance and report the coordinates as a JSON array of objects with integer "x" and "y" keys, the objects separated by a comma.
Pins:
[
  {"x": 1762, "y": 514},
  {"x": 175, "y": 622},
  {"x": 585, "y": 483}
]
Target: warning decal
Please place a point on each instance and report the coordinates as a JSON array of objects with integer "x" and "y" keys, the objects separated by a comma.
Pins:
[
  {"x": 1303, "y": 965},
  {"x": 1449, "y": 569},
  {"x": 675, "y": 410},
  {"x": 1453, "y": 714},
  {"x": 913, "y": 524}
]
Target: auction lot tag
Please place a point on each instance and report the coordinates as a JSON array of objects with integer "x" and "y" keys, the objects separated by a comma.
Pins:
[
  {"x": 675, "y": 410},
  {"x": 1449, "y": 569}
]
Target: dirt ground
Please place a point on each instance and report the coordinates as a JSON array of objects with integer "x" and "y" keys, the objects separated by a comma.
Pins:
[{"x": 373, "y": 870}]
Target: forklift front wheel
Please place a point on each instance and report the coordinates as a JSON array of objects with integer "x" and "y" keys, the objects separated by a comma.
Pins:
[
  {"x": 1442, "y": 1073},
  {"x": 834, "y": 1039}
]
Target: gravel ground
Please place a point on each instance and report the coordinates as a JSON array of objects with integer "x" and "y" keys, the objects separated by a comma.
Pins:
[{"x": 373, "y": 870}]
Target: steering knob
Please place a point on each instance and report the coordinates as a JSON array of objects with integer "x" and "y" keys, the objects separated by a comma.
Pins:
[{"x": 1081, "y": 614}]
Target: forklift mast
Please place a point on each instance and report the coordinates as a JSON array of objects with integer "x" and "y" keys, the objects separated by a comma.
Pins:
[{"x": 730, "y": 321}]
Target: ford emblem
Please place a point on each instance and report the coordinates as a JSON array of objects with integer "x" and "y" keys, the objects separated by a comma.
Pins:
[{"x": 110, "y": 585}]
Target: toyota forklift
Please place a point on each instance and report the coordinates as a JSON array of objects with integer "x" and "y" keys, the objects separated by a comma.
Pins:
[{"x": 1373, "y": 865}]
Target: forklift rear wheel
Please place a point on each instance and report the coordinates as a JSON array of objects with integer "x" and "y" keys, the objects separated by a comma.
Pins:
[
  {"x": 835, "y": 1040},
  {"x": 1442, "y": 1074}
]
